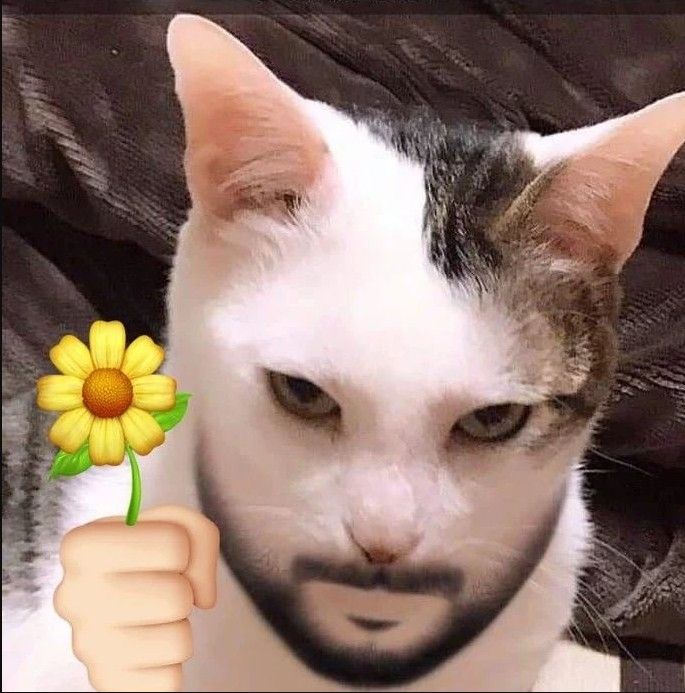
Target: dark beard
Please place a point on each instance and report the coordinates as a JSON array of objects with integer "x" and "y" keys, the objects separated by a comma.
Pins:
[{"x": 277, "y": 601}]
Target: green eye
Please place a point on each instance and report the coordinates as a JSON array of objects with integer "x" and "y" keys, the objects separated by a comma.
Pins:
[
  {"x": 301, "y": 397},
  {"x": 495, "y": 423}
]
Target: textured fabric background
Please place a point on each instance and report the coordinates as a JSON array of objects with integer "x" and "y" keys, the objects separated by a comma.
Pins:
[{"x": 93, "y": 195}]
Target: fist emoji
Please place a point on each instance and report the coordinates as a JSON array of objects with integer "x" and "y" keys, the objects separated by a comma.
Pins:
[{"x": 127, "y": 593}]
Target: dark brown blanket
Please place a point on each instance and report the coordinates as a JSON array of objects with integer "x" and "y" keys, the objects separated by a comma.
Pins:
[{"x": 93, "y": 195}]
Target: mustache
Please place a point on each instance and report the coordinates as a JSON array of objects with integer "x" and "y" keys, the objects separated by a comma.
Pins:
[{"x": 436, "y": 580}]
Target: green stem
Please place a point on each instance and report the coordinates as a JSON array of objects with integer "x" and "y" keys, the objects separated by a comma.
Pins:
[{"x": 136, "y": 492}]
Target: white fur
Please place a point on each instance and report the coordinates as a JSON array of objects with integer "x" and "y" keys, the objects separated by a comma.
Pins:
[
  {"x": 551, "y": 149},
  {"x": 355, "y": 306}
]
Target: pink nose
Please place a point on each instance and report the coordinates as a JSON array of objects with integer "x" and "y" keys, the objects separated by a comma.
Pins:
[
  {"x": 383, "y": 552},
  {"x": 382, "y": 511}
]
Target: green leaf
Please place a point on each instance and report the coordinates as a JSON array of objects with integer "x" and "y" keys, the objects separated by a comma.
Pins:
[
  {"x": 70, "y": 464},
  {"x": 168, "y": 419}
]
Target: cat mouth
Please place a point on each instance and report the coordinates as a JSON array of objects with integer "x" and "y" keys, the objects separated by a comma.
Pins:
[
  {"x": 389, "y": 621},
  {"x": 372, "y": 624}
]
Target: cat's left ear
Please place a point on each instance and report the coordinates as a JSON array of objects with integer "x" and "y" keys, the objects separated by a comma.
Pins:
[
  {"x": 249, "y": 141},
  {"x": 600, "y": 179}
]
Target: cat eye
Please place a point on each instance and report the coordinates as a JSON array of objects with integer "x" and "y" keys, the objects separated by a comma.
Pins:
[
  {"x": 495, "y": 423},
  {"x": 302, "y": 397}
]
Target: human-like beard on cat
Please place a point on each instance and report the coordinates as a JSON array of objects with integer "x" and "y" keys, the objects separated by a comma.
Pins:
[{"x": 364, "y": 624}]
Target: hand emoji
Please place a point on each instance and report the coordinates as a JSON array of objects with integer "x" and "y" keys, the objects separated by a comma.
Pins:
[{"x": 127, "y": 593}]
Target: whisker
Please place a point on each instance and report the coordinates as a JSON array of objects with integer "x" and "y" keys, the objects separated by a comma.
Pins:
[
  {"x": 589, "y": 588},
  {"x": 578, "y": 630},
  {"x": 264, "y": 508},
  {"x": 593, "y": 564},
  {"x": 618, "y": 640},
  {"x": 604, "y": 455},
  {"x": 616, "y": 552},
  {"x": 621, "y": 463},
  {"x": 584, "y": 604},
  {"x": 573, "y": 628}
]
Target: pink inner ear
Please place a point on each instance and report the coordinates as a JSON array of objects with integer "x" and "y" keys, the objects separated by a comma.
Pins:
[
  {"x": 249, "y": 148},
  {"x": 248, "y": 136},
  {"x": 597, "y": 200},
  {"x": 581, "y": 208}
]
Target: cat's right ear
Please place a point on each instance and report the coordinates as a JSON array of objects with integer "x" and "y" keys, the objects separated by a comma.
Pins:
[
  {"x": 249, "y": 142},
  {"x": 597, "y": 182}
]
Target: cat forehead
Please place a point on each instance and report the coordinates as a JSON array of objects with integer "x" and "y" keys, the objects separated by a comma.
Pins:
[
  {"x": 401, "y": 270},
  {"x": 406, "y": 330}
]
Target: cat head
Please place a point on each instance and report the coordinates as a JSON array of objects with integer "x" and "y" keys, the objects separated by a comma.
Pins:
[{"x": 399, "y": 335}]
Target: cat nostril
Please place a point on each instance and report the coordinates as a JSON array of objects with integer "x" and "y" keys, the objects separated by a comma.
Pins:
[{"x": 379, "y": 553}]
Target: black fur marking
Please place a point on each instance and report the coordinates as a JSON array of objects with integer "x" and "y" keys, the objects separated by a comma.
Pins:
[{"x": 471, "y": 175}]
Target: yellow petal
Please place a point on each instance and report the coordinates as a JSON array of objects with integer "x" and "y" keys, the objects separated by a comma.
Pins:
[
  {"x": 106, "y": 442},
  {"x": 142, "y": 357},
  {"x": 59, "y": 392},
  {"x": 154, "y": 392},
  {"x": 142, "y": 432},
  {"x": 107, "y": 343},
  {"x": 70, "y": 431},
  {"x": 71, "y": 357}
]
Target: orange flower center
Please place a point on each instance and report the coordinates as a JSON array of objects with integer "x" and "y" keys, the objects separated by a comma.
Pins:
[{"x": 107, "y": 393}]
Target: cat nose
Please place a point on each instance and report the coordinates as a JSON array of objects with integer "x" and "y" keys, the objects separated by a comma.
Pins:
[
  {"x": 385, "y": 551},
  {"x": 382, "y": 516}
]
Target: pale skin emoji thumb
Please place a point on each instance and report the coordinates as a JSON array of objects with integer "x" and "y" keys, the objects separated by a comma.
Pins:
[{"x": 204, "y": 549}]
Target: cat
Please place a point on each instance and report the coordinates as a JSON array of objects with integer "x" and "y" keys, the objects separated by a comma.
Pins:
[{"x": 399, "y": 336}]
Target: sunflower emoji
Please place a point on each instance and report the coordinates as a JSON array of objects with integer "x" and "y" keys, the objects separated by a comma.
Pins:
[{"x": 114, "y": 404}]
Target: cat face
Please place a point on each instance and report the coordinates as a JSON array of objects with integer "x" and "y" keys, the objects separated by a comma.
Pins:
[{"x": 403, "y": 335}]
